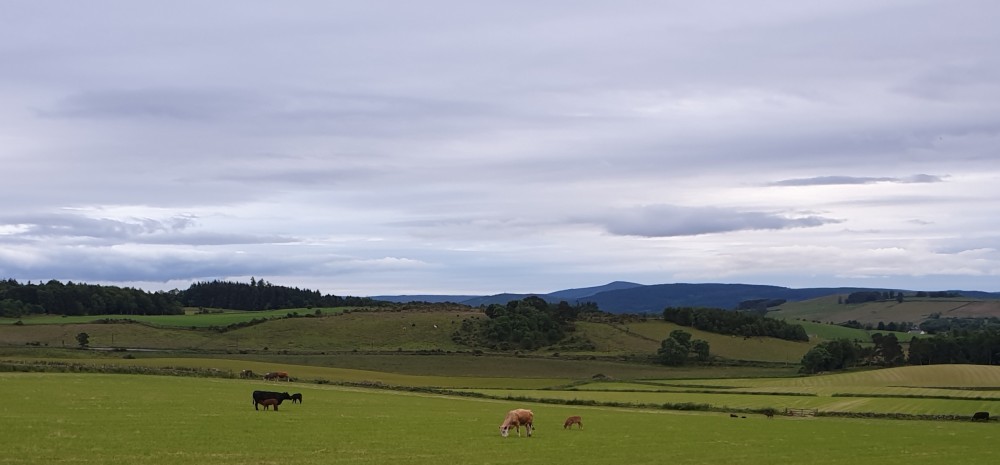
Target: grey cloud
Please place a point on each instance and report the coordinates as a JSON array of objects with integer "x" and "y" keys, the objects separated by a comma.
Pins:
[
  {"x": 95, "y": 231},
  {"x": 278, "y": 111},
  {"x": 361, "y": 127},
  {"x": 71, "y": 225},
  {"x": 331, "y": 105},
  {"x": 112, "y": 265},
  {"x": 673, "y": 221},
  {"x": 158, "y": 103},
  {"x": 846, "y": 180},
  {"x": 317, "y": 177}
]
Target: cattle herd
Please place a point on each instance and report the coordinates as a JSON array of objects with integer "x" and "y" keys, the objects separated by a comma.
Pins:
[{"x": 269, "y": 376}]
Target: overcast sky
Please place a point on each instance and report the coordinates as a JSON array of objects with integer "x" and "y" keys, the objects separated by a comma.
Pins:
[{"x": 478, "y": 147}]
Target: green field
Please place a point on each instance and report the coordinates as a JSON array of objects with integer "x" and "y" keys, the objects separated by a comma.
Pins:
[
  {"x": 943, "y": 390},
  {"x": 343, "y": 331},
  {"x": 191, "y": 317},
  {"x": 393, "y": 387},
  {"x": 725, "y": 346},
  {"x": 123, "y": 419},
  {"x": 350, "y": 330}
]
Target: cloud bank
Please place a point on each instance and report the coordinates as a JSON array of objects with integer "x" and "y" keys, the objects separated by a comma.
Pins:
[{"x": 384, "y": 148}]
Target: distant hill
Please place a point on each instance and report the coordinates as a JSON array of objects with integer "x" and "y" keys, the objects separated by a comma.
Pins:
[
  {"x": 654, "y": 298},
  {"x": 569, "y": 295},
  {"x": 434, "y": 299},
  {"x": 626, "y": 297},
  {"x": 583, "y": 292}
]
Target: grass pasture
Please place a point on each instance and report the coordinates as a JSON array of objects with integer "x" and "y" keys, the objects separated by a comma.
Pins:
[
  {"x": 943, "y": 390},
  {"x": 125, "y": 419},
  {"x": 191, "y": 318},
  {"x": 453, "y": 370},
  {"x": 729, "y": 347},
  {"x": 827, "y": 332},
  {"x": 347, "y": 331},
  {"x": 340, "y": 330}
]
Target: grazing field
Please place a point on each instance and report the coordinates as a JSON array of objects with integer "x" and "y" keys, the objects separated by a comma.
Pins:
[
  {"x": 452, "y": 370},
  {"x": 944, "y": 390},
  {"x": 729, "y": 347},
  {"x": 826, "y": 332},
  {"x": 747, "y": 402},
  {"x": 123, "y": 419},
  {"x": 334, "y": 332},
  {"x": 191, "y": 318},
  {"x": 348, "y": 330}
]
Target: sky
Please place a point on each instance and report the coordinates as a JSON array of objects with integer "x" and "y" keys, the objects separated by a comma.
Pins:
[{"x": 474, "y": 148}]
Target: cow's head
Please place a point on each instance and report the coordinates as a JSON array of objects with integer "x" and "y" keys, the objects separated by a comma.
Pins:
[{"x": 504, "y": 430}]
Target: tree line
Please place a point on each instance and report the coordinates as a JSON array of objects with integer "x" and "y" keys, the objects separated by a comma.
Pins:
[
  {"x": 978, "y": 347},
  {"x": 880, "y": 326},
  {"x": 262, "y": 295},
  {"x": 57, "y": 298},
  {"x": 861, "y": 297},
  {"x": 746, "y": 324},
  {"x": 54, "y": 297},
  {"x": 935, "y": 324}
]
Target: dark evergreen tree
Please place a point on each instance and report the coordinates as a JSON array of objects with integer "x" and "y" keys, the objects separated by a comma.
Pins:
[{"x": 747, "y": 324}]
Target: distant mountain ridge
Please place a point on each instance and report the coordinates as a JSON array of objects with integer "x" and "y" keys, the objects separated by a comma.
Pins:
[{"x": 627, "y": 297}]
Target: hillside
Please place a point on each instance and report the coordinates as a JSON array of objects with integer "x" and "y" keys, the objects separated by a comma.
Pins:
[
  {"x": 914, "y": 310},
  {"x": 626, "y": 297},
  {"x": 373, "y": 332},
  {"x": 348, "y": 331},
  {"x": 653, "y": 299}
]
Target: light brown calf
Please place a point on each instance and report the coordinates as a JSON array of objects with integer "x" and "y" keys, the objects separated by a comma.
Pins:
[{"x": 573, "y": 420}]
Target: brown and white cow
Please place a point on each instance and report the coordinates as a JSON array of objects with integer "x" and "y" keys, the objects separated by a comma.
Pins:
[{"x": 517, "y": 418}]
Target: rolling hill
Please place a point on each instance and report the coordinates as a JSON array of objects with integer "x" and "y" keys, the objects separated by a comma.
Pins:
[
  {"x": 828, "y": 309},
  {"x": 626, "y": 297}
]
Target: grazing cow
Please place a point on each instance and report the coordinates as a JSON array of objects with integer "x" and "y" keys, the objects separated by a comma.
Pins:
[
  {"x": 246, "y": 374},
  {"x": 517, "y": 418},
  {"x": 277, "y": 376},
  {"x": 573, "y": 420},
  {"x": 985, "y": 416},
  {"x": 297, "y": 398},
  {"x": 260, "y": 396},
  {"x": 733, "y": 415},
  {"x": 269, "y": 402}
]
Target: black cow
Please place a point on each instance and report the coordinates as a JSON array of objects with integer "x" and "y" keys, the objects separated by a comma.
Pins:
[
  {"x": 985, "y": 416},
  {"x": 296, "y": 398},
  {"x": 258, "y": 396}
]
